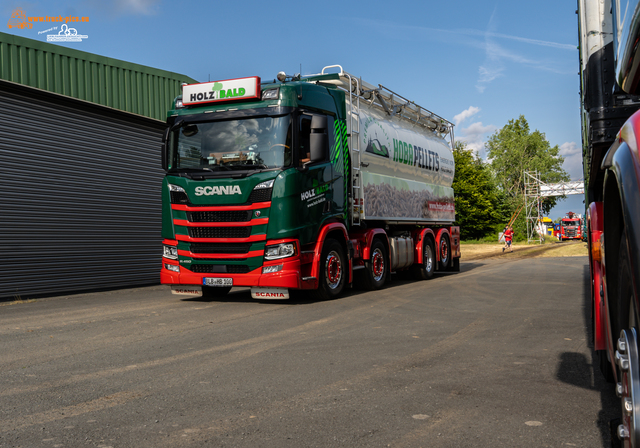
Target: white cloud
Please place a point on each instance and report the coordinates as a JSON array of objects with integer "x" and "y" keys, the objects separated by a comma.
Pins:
[
  {"x": 462, "y": 116},
  {"x": 572, "y": 154},
  {"x": 474, "y": 136},
  {"x": 569, "y": 149},
  {"x": 543, "y": 43},
  {"x": 119, "y": 8},
  {"x": 144, "y": 7}
]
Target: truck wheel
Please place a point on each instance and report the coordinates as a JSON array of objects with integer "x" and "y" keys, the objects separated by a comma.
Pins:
[
  {"x": 455, "y": 265},
  {"x": 625, "y": 283},
  {"x": 629, "y": 374},
  {"x": 624, "y": 291},
  {"x": 375, "y": 274},
  {"x": 445, "y": 253},
  {"x": 425, "y": 270},
  {"x": 215, "y": 292},
  {"x": 625, "y": 329},
  {"x": 332, "y": 270}
]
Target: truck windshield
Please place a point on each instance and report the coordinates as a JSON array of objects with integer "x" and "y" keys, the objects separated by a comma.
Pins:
[{"x": 241, "y": 144}]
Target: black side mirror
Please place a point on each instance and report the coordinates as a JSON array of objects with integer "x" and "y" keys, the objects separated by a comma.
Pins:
[
  {"x": 318, "y": 140},
  {"x": 165, "y": 143},
  {"x": 163, "y": 153}
]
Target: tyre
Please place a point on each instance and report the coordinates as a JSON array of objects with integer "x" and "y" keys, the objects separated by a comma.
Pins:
[
  {"x": 624, "y": 291},
  {"x": 425, "y": 270},
  {"x": 445, "y": 253},
  {"x": 628, "y": 321},
  {"x": 215, "y": 292},
  {"x": 455, "y": 265},
  {"x": 375, "y": 274},
  {"x": 333, "y": 270},
  {"x": 624, "y": 314}
]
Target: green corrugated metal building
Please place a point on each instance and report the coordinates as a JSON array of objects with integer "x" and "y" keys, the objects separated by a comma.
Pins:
[
  {"x": 110, "y": 82},
  {"x": 80, "y": 152}
]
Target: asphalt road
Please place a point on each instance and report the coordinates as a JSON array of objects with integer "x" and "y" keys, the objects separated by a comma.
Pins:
[{"x": 494, "y": 356}]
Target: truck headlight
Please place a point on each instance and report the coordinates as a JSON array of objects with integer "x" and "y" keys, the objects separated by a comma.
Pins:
[
  {"x": 278, "y": 251},
  {"x": 271, "y": 269},
  {"x": 265, "y": 184},
  {"x": 271, "y": 94},
  {"x": 172, "y": 267},
  {"x": 170, "y": 252}
]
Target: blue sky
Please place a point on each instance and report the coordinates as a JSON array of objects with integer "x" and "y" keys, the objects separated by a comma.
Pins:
[{"x": 478, "y": 64}]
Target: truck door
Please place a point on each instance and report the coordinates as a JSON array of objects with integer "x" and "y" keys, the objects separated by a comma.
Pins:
[{"x": 316, "y": 178}]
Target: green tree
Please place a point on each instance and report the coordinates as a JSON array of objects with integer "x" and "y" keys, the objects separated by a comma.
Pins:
[
  {"x": 478, "y": 200},
  {"x": 513, "y": 150}
]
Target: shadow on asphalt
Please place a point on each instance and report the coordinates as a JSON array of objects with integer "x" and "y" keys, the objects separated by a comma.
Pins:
[
  {"x": 466, "y": 266},
  {"x": 300, "y": 297},
  {"x": 576, "y": 369},
  {"x": 296, "y": 297}
]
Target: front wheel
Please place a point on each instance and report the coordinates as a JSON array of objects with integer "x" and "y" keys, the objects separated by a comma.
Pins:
[{"x": 333, "y": 270}]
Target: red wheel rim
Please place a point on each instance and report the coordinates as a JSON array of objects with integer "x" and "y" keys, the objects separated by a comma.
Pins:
[{"x": 333, "y": 272}]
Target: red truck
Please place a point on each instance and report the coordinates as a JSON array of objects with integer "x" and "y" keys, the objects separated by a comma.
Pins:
[{"x": 571, "y": 227}]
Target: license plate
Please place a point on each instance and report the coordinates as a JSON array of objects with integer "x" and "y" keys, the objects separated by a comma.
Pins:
[{"x": 208, "y": 281}]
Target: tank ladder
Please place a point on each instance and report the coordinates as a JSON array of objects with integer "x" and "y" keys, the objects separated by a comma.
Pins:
[{"x": 357, "y": 195}]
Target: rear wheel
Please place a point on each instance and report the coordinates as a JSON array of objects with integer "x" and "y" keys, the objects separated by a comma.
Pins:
[
  {"x": 375, "y": 274},
  {"x": 425, "y": 270},
  {"x": 445, "y": 253},
  {"x": 332, "y": 270}
]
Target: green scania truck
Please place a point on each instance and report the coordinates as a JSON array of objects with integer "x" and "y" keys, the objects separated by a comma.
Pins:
[{"x": 304, "y": 183}]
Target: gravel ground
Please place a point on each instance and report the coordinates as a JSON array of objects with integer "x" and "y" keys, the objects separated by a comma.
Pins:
[{"x": 564, "y": 249}]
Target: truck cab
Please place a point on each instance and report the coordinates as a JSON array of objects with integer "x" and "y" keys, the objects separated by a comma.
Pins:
[{"x": 250, "y": 181}]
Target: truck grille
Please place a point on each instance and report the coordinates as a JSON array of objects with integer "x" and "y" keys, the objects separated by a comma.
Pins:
[
  {"x": 222, "y": 216},
  {"x": 219, "y": 232},
  {"x": 220, "y": 248},
  {"x": 219, "y": 268},
  {"x": 261, "y": 195}
]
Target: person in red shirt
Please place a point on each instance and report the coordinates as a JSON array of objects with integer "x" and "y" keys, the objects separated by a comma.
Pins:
[{"x": 508, "y": 237}]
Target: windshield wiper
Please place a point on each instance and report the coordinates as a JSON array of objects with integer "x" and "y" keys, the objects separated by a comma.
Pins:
[
  {"x": 191, "y": 170},
  {"x": 251, "y": 165}
]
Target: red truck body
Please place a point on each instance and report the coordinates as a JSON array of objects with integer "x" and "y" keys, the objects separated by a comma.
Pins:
[
  {"x": 610, "y": 85},
  {"x": 570, "y": 229}
]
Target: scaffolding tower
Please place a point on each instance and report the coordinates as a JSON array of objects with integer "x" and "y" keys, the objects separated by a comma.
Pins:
[
  {"x": 532, "y": 205},
  {"x": 534, "y": 191}
]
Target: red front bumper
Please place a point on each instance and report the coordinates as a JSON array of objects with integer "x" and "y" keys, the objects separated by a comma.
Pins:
[{"x": 288, "y": 277}]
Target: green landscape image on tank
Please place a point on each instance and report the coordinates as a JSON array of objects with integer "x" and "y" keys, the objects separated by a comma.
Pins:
[{"x": 375, "y": 147}]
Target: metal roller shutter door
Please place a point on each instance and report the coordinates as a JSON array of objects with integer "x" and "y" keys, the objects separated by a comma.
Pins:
[{"x": 80, "y": 206}]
